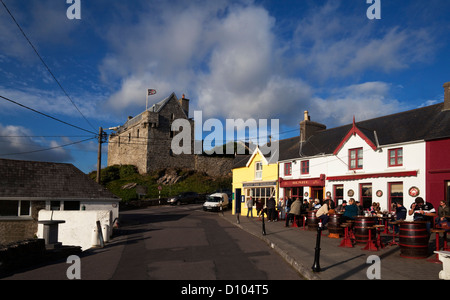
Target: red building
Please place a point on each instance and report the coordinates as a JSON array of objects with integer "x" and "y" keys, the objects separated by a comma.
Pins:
[
  {"x": 438, "y": 171},
  {"x": 438, "y": 155}
]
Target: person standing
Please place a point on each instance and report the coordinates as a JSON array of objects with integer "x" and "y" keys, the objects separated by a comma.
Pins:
[
  {"x": 249, "y": 203},
  {"x": 295, "y": 211},
  {"x": 271, "y": 209},
  {"x": 443, "y": 211}
]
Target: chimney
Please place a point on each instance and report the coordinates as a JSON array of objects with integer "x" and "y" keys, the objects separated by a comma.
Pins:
[
  {"x": 184, "y": 102},
  {"x": 446, "y": 96},
  {"x": 309, "y": 128}
]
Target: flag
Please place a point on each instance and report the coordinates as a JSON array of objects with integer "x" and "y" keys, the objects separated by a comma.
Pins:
[{"x": 151, "y": 92}]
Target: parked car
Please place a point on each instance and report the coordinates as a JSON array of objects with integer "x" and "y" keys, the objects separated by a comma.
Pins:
[
  {"x": 216, "y": 201},
  {"x": 184, "y": 198}
]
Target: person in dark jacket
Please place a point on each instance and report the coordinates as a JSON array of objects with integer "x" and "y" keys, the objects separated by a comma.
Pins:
[
  {"x": 351, "y": 211},
  {"x": 271, "y": 209}
]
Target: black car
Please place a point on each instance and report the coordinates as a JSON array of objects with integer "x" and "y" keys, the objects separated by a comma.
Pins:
[{"x": 183, "y": 198}]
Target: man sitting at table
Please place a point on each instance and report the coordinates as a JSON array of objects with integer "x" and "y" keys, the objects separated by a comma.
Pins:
[{"x": 423, "y": 211}]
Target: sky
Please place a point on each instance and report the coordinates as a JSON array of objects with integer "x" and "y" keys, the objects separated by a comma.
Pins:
[{"x": 245, "y": 59}]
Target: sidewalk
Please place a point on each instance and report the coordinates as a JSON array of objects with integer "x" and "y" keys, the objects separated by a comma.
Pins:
[{"x": 297, "y": 247}]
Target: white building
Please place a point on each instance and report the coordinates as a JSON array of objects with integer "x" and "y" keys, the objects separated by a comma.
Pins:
[{"x": 379, "y": 160}]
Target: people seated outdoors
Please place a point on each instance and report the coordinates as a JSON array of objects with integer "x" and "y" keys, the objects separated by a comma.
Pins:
[
  {"x": 324, "y": 211},
  {"x": 351, "y": 211},
  {"x": 400, "y": 214},
  {"x": 317, "y": 204},
  {"x": 443, "y": 218},
  {"x": 375, "y": 210},
  {"x": 341, "y": 207},
  {"x": 423, "y": 211},
  {"x": 295, "y": 211}
]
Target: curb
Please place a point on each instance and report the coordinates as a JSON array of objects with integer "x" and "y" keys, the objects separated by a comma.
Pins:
[{"x": 298, "y": 266}]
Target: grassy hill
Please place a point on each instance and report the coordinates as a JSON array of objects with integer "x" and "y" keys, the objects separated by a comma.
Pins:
[{"x": 127, "y": 183}]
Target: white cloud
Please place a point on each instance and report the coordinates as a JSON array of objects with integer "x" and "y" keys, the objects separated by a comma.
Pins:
[
  {"x": 364, "y": 101},
  {"x": 16, "y": 142}
]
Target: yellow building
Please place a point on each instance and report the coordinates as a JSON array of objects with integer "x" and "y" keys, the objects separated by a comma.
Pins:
[{"x": 254, "y": 177}]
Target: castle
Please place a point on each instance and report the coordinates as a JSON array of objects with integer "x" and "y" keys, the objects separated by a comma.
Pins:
[{"x": 145, "y": 142}]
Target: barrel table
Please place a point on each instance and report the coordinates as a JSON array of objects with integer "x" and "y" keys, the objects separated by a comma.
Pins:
[
  {"x": 334, "y": 226},
  {"x": 413, "y": 239},
  {"x": 361, "y": 229},
  {"x": 312, "y": 220}
]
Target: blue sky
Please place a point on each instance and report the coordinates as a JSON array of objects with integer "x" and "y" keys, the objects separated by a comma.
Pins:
[{"x": 233, "y": 59}]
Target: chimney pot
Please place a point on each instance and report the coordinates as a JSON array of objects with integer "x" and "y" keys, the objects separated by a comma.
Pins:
[{"x": 446, "y": 96}]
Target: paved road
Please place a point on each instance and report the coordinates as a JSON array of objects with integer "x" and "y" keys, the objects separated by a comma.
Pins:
[{"x": 181, "y": 242}]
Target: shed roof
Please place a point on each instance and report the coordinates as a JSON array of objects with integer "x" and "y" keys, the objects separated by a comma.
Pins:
[{"x": 33, "y": 179}]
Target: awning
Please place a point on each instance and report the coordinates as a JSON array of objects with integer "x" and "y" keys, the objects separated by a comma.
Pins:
[
  {"x": 373, "y": 175},
  {"x": 320, "y": 181}
]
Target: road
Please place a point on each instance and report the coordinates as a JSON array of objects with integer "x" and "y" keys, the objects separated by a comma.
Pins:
[{"x": 175, "y": 243}]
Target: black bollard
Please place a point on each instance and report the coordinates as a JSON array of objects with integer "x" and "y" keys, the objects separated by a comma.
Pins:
[
  {"x": 316, "y": 265},
  {"x": 263, "y": 224}
]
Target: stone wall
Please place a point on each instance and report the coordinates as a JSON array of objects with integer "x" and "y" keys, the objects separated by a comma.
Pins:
[
  {"x": 13, "y": 229},
  {"x": 214, "y": 165}
]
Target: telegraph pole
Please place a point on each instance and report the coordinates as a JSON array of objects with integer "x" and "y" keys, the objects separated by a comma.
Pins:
[{"x": 99, "y": 156}]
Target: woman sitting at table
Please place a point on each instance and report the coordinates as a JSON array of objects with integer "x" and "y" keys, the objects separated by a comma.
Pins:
[
  {"x": 323, "y": 211},
  {"x": 351, "y": 211}
]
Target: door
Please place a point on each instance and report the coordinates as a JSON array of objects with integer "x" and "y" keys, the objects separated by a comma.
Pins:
[
  {"x": 237, "y": 201},
  {"x": 447, "y": 192}
]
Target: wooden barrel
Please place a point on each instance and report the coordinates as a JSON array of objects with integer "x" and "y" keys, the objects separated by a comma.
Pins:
[
  {"x": 334, "y": 224},
  {"x": 413, "y": 238},
  {"x": 361, "y": 229},
  {"x": 312, "y": 220}
]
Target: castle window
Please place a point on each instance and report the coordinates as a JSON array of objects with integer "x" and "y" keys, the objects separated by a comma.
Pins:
[{"x": 137, "y": 135}]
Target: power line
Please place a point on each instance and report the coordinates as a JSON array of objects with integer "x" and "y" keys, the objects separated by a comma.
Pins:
[
  {"x": 45, "y": 115},
  {"x": 46, "y": 66},
  {"x": 47, "y": 149}
]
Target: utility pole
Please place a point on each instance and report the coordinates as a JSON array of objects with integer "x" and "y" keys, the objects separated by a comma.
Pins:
[{"x": 101, "y": 136}]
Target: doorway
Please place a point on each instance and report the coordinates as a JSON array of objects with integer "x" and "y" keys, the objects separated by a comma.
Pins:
[{"x": 237, "y": 201}]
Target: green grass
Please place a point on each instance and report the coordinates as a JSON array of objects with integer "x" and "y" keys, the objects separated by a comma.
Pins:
[{"x": 115, "y": 177}]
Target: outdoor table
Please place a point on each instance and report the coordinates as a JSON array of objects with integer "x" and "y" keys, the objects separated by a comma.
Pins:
[
  {"x": 304, "y": 221},
  {"x": 386, "y": 221},
  {"x": 393, "y": 242},
  {"x": 379, "y": 242},
  {"x": 371, "y": 246},
  {"x": 346, "y": 241}
]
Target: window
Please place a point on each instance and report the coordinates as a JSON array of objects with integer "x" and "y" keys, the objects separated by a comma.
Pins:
[
  {"x": 71, "y": 205},
  {"x": 14, "y": 208},
  {"x": 258, "y": 170},
  {"x": 395, "y": 193},
  {"x": 395, "y": 157},
  {"x": 305, "y": 167},
  {"x": 287, "y": 169},
  {"x": 366, "y": 195},
  {"x": 262, "y": 193},
  {"x": 355, "y": 159},
  {"x": 338, "y": 193}
]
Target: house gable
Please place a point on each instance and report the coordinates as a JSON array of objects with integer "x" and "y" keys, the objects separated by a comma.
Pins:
[{"x": 353, "y": 132}]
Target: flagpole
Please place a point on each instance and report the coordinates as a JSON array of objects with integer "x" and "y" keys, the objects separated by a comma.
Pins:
[{"x": 146, "y": 101}]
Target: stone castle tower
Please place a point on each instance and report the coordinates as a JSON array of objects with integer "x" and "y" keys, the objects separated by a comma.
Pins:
[{"x": 145, "y": 142}]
